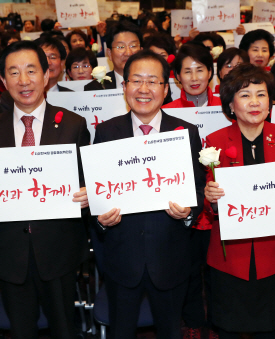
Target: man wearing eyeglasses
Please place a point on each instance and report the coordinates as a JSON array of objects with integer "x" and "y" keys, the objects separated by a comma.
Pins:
[
  {"x": 123, "y": 40},
  {"x": 148, "y": 252}
]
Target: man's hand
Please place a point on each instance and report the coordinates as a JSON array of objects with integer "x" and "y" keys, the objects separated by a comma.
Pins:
[
  {"x": 101, "y": 28},
  {"x": 240, "y": 30},
  {"x": 110, "y": 218},
  {"x": 81, "y": 197},
  {"x": 177, "y": 212}
]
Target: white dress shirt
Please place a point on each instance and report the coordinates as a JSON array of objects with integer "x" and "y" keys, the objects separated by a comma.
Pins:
[
  {"x": 19, "y": 127},
  {"x": 53, "y": 89},
  {"x": 155, "y": 123},
  {"x": 119, "y": 80}
]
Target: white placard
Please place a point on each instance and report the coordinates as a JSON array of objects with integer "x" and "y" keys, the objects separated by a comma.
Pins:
[
  {"x": 95, "y": 106},
  {"x": 207, "y": 119},
  {"x": 213, "y": 15},
  {"x": 228, "y": 39},
  {"x": 75, "y": 85},
  {"x": 273, "y": 115},
  {"x": 77, "y": 13},
  {"x": 264, "y": 12},
  {"x": 30, "y": 35},
  {"x": 181, "y": 22},
  {"x": 27, "y": 11},
  {"x": 247, "y": 209},
  {"x": 175, "y": 87},
  {"x": 251, "y": 27},
  {"x": 140, "y": 174},
  {"x": 105, "y": 10},
  {"x": 38, "y": 183},
  {"x": 129, "y": 8}
]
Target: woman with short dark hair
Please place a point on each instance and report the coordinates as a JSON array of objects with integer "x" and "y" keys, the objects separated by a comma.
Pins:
[
  {"x": 193, "y": 67},
  {"x": 77, "y": 38},
  {"x": 80, "y": 64},
  {"x": 243, "y": 299},
  {"x": 259, "y": 45}
]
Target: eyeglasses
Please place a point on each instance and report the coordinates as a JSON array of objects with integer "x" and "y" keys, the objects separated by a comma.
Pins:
[
  {"x": 53, "y": 57},
  {"x": 123, "y": 48},
  {"x": 152, "y": 84},
  {"x": 84, "y": 67}
]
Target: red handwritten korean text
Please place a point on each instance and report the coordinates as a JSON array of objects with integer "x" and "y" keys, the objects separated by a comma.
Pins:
[
  {"x": 247, "y": 212},
  {"x": 36, "y": 191}
]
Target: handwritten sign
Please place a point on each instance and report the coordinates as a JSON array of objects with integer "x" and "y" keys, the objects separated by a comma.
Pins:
[
  {"x": 5, "y": 9},
  {"x": 264, "y": 12},
  {"x": 142, "y": 173},
  {"x": 43, "y": 177},
  {"x": 105, "y": 10},
  {"x": 95, "y": 106},
  {"x": 27, "y": 11},
  {"x": 213, "y": 15},
  {"x": 248, "y": 208},
  {"x": 181, "y": 22},
  {"x": 251, "y": 27},
  {"x": 207, "y": 119},
  {"x": 77, "y": 13},
  {"x": 129, "y": 8}
]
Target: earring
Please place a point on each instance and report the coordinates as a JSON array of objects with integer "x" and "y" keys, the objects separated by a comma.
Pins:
[{"x": 232, "y": 112}]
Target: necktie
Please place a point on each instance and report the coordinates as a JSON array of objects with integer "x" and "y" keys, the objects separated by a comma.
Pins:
[
  {"x": 28, "y": 138},
  {"x": 145, "y": 129}
]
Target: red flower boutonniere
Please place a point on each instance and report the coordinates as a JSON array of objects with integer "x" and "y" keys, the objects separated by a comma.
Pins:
[
  {"x": 178, "y": 128},
  {"x": 231, "y": 152},
  {"x": 271, "y": 140},
  {"x": 58, "y": 118}
]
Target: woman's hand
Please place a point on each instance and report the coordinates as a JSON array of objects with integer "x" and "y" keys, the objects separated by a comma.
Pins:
[
  {"x": 213, "y": 192},
  {"x": 193, "y": 33},
  {"x": 240, "y": 30}
]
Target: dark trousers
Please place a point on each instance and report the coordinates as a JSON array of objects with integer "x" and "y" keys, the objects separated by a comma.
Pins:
[
  {"x": 193, "y": 310},
  {"x": 124, "y": 305},
  {"x": 56, "y": 297}
]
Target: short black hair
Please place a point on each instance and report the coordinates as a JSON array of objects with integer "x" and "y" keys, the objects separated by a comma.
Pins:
[
  {"x": 47, "y": 25},
  {"x": 160, "y": 40},
  {"x": 7, "y": 36},
  {"x": 21, "y": 46},
  {"x": 196, "y": 51},
  {"x": 228, "y": 55},
  {"x": 120, "y": 27},
  {"x": 79, "y": 32},
  {"x": 149, "y": 55},
  {"x": 258, "y": 34},
  {"x": 241, "y": 77},
  {"x": 49, "y": 41},
  {"x": 205, "y": 36},
  {"x": 79, "y": 54}
]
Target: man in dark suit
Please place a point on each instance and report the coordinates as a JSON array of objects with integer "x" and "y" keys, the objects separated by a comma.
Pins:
[
  {"x": 148, "y": 251},
  {"x": 39, "y": 258},
  {"x": 123, "y": 39}
]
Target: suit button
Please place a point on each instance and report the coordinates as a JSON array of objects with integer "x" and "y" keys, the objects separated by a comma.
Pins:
[{"x": 25, "y": 230}]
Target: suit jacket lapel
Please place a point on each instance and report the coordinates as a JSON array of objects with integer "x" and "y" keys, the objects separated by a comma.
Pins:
[
  {"x": 235, "y": 140},
  {"x": 109, "y": 84},
  {"x": 50, "y": 134},
  {"x": 7, "y": 129},
  {"x": 125, "y": 128},
  {"x": 269, "y": 139}
]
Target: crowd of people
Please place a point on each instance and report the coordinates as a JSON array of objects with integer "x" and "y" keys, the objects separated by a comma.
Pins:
[{"x": 175, "y": 256}]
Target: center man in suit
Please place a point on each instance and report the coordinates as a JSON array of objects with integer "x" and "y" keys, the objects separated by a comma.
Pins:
[
  {"x": 123, "y": 39},
  {"x": 39, "y": 258},
  {"x": 148, "y": 252}
]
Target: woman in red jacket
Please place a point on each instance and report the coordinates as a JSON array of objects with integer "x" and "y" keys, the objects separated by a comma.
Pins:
[
  {"x": 193, "y": 67},
  {"x": 243, "y": 297}
]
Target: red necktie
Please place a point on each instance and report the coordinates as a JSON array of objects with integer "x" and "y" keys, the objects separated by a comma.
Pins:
[
  {"x": 28, "y": 138},
  {"x": 145, "y": 129}
]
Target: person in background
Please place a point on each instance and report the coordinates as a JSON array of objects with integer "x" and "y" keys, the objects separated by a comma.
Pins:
[
  {"x": 228, "y": 60},
  {"x": 243, "y": 298},
  {"x": 28, "y": 26},
  {"x": 9, "y": 37},
  {"x": 193, "y": 67},
  {"x": 80, "y": 64},
  {"x": 47, "y": 25},
  {"x": 77, "y": 38},
  {"x": 123, "y": 39},
  {"x": 259, "y": 45}
]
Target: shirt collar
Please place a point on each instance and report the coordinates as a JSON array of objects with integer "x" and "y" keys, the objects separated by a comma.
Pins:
[
  {"x": 38, "y": 113},
  {"x": 119, "y": 80},
  {"x": 155, "y": 122}
]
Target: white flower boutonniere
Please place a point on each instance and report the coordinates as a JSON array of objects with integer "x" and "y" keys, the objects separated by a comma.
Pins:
[{"x": 99, "y": 73}]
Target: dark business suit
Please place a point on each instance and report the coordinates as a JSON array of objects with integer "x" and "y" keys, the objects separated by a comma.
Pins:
[
  {"x": 64, "y": 89},
  {"x": 96, "y": 86},
  {"x": 152, "y": 243},
  {"x": 55, "y": 247}
]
